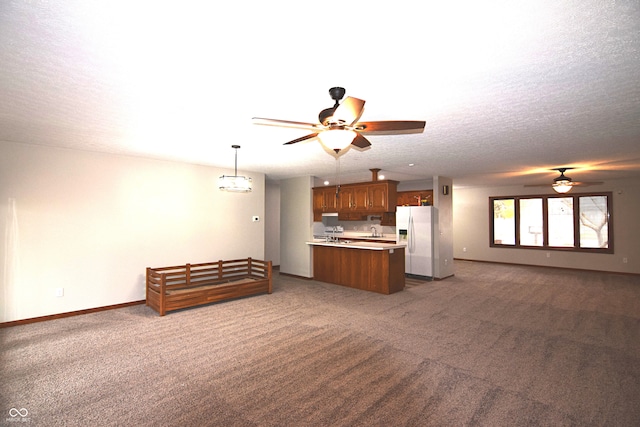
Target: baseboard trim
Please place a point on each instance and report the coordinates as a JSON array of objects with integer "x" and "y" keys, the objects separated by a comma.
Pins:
[
  {"x": 68, "y": 314},
  {"x": 547, "y": 266}
]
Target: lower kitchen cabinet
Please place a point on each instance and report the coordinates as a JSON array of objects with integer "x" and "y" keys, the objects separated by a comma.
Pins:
[{"x": 380, "y": 271}]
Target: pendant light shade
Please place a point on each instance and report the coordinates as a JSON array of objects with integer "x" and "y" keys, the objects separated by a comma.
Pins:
[
  {"x": 562, "y": 184},
  {"x": 235, "y": 183},
  {"x": 337, "y": 139}
]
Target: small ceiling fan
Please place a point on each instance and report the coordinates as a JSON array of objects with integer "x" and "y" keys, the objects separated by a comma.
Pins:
[
  {"x": 338, "y": 126},
  {"x": 563, "y": 183}
]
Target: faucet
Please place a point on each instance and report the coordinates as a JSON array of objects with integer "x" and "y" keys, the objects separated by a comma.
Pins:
[{"x": 374, "y": 231}]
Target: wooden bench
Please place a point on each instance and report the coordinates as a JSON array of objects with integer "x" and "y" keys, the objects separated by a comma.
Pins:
[{"x": 190, "y": 285}]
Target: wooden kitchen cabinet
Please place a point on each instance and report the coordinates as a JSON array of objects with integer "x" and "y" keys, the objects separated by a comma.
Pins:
[
  {"x": 412, "y": 198},
  {"x": 379, "y": 195},
  {"x": 369, "y": 198},
  {"x": 346, "y": 202},
  {"x": 380, "y": 271},
  {"x": 388, "y": 218},
  {"x": 353, "y": 198},
  {"x": 348, "y": 205},
  {"x": 355, "y": 201},
  {"x": 352, "y": 216},
  {"x": 361, "y": 198},
  {"x": 324, "y": 201}
]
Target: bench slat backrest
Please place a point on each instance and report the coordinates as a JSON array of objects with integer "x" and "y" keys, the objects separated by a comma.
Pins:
[{"x": 192, "y": 275}]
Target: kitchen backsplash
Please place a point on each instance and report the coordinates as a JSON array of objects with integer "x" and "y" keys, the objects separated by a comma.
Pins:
[{"x": 353, "y": 228}]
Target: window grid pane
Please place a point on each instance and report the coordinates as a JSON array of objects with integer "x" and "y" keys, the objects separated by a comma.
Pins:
[
  {"x": 531, "y": 222},
  {"x": 504, "y": 222},
  {"x": 560, "y": 220},
  {"x": 594, "y": 224}
]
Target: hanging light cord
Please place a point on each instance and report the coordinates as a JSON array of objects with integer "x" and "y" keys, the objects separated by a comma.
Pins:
[
  {"x": 337, "y": 175},
  {"x": 236, "y": 164}
]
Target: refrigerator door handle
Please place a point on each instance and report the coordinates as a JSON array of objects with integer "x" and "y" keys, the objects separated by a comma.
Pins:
[{"x": 411, "y": 236}]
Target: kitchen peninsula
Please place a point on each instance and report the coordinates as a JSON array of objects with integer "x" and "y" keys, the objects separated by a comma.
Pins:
[{"x": 367, "y": 265}]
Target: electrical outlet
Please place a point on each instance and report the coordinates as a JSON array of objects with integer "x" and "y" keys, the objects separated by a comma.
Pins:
[
  {"x": 625, "y": 260},
  {"x": 464, "y": 249},
  {"x": 548, "y": 254}
]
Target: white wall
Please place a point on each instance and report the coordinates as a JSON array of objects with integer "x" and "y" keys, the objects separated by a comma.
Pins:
[
  {"x": 471, "y": 225},
  {"x": 272, "y": 222},
  {"x": 423, "y": 184},
  {"x": 296, "y": 219},
  {"x": 443, "y": 264},
  {"x": 91, "y": 223}
]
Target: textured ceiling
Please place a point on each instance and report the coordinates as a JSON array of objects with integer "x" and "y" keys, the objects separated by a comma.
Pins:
[{"x": 508, "y": 89}]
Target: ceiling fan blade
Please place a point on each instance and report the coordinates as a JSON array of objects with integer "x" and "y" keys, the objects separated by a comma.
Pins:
[
  {"x": 573, "y": 183},
  {"x": 286, "y": 123},
  {"x": 587, "y": 184},
  {"x": 349, "y": 111},
  {"x": 303, "y": 138},
  {"x": 394, "y": 126},
  {"x": 360, "y": 141}
]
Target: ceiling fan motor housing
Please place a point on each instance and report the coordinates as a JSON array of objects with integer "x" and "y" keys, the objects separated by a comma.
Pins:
[
  {"x": 336, "y": 93},
  {"x": 562, "y": 177}
]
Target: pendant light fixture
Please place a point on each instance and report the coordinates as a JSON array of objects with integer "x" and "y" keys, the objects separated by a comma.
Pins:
[{"x": 235, "y": 183}]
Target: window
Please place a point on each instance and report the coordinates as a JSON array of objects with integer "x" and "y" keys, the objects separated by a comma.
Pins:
[
  {"x": 560, "y": 219},
  {"x": 531, "y": 222},
  {"x": 580, "y": 222},
  {"x": 504, "y": 222}
]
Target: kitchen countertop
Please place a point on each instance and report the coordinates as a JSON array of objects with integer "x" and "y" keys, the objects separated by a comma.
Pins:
[{"x": 357, "y": 245}]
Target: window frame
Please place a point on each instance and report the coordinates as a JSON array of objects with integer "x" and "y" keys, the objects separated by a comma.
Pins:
[{"x": 545, "y": 222}]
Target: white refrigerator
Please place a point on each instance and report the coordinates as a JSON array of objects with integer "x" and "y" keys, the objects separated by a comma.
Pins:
[{"x": 414, "y": 227}]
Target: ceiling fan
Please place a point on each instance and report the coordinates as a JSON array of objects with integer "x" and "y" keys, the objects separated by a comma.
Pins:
[
  {"x": 563, "y": 183},
  {"x": 338, "y": 126}
]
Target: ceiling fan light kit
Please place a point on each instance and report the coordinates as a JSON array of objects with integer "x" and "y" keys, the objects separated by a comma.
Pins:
[
  {"x": 562, "y": 184},
  {"x": 337, "y": 139},
  {"x": 235, "y": 183},
  {"x": 339, "y": 126}
]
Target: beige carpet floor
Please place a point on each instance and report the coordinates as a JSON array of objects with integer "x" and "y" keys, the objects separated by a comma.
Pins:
[{"x": 495, "y": 345}]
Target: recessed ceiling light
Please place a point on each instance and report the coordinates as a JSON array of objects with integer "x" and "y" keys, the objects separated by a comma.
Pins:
[
  {"x": 411, "y": 164},
  {"x": 326, "y": 183},
  {"x": 380, "y": 177}
]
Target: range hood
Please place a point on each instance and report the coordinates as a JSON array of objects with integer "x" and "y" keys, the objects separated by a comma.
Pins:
[{"x": 329, "y": 213}]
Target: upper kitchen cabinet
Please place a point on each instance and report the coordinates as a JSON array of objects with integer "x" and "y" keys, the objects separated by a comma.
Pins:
[
  {"x": 324, "y": 201},
  {"x": 381, "y": 196},
  {"x": 356, "y": 201},
  {"x": 414, "y": 198},
  {"x": 352, "y": 198},
  {"x": 376, "y": 197}
]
